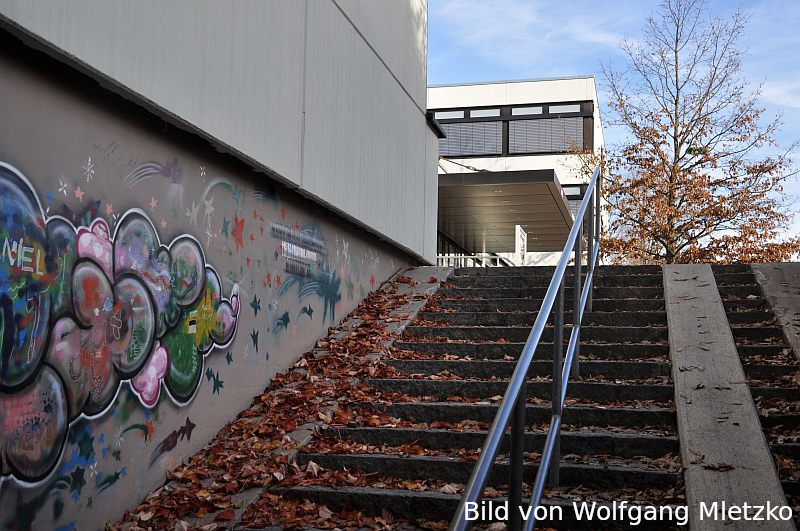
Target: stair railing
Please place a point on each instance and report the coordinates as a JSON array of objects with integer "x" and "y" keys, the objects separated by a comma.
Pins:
[{"x": 512, "y": 408}]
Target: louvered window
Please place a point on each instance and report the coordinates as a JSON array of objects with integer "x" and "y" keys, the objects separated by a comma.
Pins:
[
  {"x": 472, "y": 138},
  {"x": 545, "y": 136}
]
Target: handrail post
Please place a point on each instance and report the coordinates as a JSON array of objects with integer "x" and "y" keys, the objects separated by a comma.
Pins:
[
  {"x": 576, "y": 292},
  {"x": 590, "y": 244},
  {"x": 598, "y": 220},
  {"x": 558, "y": 358},
  {"x": 517, "y": 461}
]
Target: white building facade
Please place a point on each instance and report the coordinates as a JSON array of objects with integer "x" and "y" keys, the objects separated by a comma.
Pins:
[{"x": 513, "y": 133}]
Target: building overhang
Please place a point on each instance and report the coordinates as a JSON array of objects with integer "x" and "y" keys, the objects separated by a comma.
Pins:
[{"x": 479, "y": 210}]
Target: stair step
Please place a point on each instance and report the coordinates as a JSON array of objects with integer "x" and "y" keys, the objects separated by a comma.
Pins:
[
  {"x": 454, "y": 470},
  {"x": 750, "y": 317},
  {"x": 763, "y": 350},
  {"x": 538, "y": 281},
  {"x": 545, "y": 350},
  {"x": 596, "y": 391},
  {"x": 538, "y": 293},
  {"x": 572, "y": 442},
  {"x": 739, "y": 305},
  {"x": 535, "y": 414},
  {"x": 783, "y": 393},
  {"x": 739, "y": 292},
  {"x": 549, "y": 270},
  {"x": 761, "y": 372},
  {"x": 528, "y": 318},
  {"x": 742, "y": 278},
  {"x": 635, "y": 334},
  {"x": 730, "y": 268},
  {"x": 786, "y": 420},
  {"x": 612, "y": 370},
  {"x": 513, "y": 303},
  {"x": 785, "y": 449},
  {"x": 756, "y": 333}
]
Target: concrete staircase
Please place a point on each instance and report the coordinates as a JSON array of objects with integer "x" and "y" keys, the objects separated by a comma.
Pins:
[
  {"x": 771, "y": 368},
  {"x": 619, "y": 434}
]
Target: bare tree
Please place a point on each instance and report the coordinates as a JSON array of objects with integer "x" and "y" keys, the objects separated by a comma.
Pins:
[{"x": 701, "y": 179}]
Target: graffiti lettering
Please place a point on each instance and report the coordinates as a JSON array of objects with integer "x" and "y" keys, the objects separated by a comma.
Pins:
[{"x": 84, "y": 310}]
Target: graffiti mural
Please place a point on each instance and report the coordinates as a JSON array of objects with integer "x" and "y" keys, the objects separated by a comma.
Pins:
[
  {"x": 84, "y": 310},
  {"x": 306, "y": 260}
]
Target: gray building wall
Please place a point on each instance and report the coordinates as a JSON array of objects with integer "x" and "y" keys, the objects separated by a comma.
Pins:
[
  {"x": 91, "y": 185},
  {"x": 327, "y": 95}
]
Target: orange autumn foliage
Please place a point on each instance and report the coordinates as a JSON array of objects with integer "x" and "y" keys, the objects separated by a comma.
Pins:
[{"x": 701, "y": 176}]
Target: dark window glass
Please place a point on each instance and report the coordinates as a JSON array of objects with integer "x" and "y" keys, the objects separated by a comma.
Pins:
[
  {"x": 472, "y": 138},
  {"x": 545, "y": 136}
]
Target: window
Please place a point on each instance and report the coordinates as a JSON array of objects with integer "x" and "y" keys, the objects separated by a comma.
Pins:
[
  {"x": 524, "y": 129},
  {"x": 483, "y": 113},
  {"x": 447, "y": 115},
  {"x": 556, "y": 109},
  {"x": 545, "y": 136},
  {"x": 524, "y": 111},
  {"x": 472, "y": 138}
]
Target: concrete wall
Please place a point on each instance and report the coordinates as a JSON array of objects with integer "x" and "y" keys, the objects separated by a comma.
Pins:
[
  {"x": 327, "y": 95},
  {"x": 150, "y": 287}
]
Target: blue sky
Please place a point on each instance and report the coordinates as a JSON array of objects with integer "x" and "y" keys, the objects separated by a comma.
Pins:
[{"x": 486, "y": 40}]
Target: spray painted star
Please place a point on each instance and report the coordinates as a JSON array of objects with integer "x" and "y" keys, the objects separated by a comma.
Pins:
[
  {"x": 79, "y": 194},
  {"x": 192, "y": 214},
  {"x": 88, "y": 170},
  {"x": 153, "y": 203},
  {"x": 254, "y": 337},
  {"x": 62, "y": 187},
  {"x": 229, "y": 357},
  {"x": 209, "y": 209},
  {"x": 163, "y": 223},
  {"x": 255, "y": 305}
]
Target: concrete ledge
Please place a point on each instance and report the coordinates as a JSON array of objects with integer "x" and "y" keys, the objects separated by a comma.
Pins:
[
  {"x": 723, "y": 449},
  {"x": 780, "y": 283}
]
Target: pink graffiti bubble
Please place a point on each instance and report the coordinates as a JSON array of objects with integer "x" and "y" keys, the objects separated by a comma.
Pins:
[
  {"x": 235, "y": 299},
  {"x": 147, "y": 384},
  {"x": 95, "y": 243}
]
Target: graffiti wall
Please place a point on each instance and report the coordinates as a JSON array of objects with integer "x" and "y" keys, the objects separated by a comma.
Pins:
[{"x": 149, "y": 287}]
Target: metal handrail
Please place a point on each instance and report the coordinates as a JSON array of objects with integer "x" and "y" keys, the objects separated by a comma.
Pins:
[{"x": 514, "y": 400}]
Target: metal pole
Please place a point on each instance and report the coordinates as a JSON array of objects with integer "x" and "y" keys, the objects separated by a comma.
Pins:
[
  {"x": 590, "y": 249},
  {"x": 517, "y": 461},
  {"x": 576, "y": 299},
  {"x": 598, "y": 220},
  {"x": 558, "y": 355}
]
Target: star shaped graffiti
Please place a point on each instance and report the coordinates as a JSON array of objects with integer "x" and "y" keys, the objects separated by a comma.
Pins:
[
  {"x": 88, "y": 169},
  {"x": 226, "y": 226},
  {"x": 77, "y": 479},
  {"x": 254, "y": 337},
  {"x": 238, "y": 231},
  {"x": 192, "y": 213},
  {"x": 229, "y": 357},
  {"x": 255, "y": 304}
]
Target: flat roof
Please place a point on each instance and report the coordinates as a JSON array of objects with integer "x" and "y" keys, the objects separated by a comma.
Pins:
[{"x": 503, "y": 82}]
